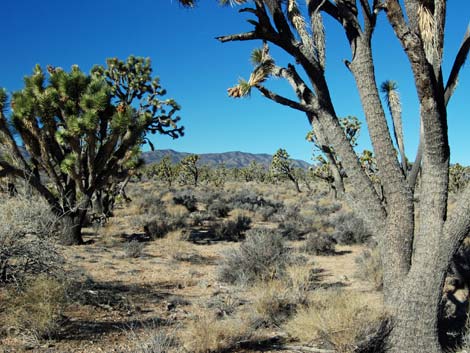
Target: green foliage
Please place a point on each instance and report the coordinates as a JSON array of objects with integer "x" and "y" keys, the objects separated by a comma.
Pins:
[
  {"x": 83, "y": 131},
  {"x": 189, "y": 170},
  {"x": 282, "y": 168},
  {"x": 219, "y": 175},
  {"x": 164, "y": 171},
  {"x": 458, "y": 177},
  {"x": 369, "y": 164},
  {"x": 253, "y": 172}
]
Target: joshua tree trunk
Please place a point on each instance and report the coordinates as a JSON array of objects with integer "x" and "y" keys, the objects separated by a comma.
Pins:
[
  {"x": 71, "y": 233},
  {"x": 73, "y": 220},
  {"x": 416, "y": 251},
  {"x": 296, "y": 183}
]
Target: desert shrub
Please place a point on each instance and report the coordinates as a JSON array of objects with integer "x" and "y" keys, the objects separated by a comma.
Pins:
[
  {"x": 231, "y": 230},
  {"x": 199, "y": 217},
  {"x": 134, "y": 249},
  {"x": 156, "y": 228},
  {"x": 325, "y": 209},
  {"x": 36, "y": 310},
  {"x": 266, "y": 212},
  {"x": 294, "y": 230},
  {"x": 27, "y": 246},
  {"x": 219, "y": 209},
  {"x": 150, "y": 203},
  {"x": 369, "y": 267},
  {"x": 160, "y": 225},
  {"x": 187, "y": 200},
  {"x": 290, "y": 213},
  {"x": 349, "y": 229},
  {"x": 224, "y": 305},
  {"x": 250, "y": 201},
  {"x": 261, "y": 256},
  {"x": 207, "y": 195},
  {"x": 320, "y": 244},
  {"x": 345, "y": 320},
  {"x": 206, "y": 334}
]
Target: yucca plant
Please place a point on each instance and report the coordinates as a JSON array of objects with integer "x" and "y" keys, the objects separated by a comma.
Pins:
[{"x": 81, "y": 131}]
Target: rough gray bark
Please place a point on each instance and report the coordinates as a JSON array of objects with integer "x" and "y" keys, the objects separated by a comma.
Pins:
[{"x": 415, "y": 256}]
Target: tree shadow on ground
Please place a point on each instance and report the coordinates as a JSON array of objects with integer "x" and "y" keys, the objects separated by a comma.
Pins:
[
  {"x": 90, "y": 329},
  {"x": 118, "y": 305}
]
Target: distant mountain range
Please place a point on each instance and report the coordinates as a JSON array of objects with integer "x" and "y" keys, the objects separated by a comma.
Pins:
[{"x": 230, "y": 159}]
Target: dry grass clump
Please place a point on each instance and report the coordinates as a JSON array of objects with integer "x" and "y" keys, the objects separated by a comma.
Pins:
[
  {"x": 176, "y": 248},
  {"x": 207, "y": 334},
  {"x": 273, "y": 303},
  {"x": 36, "y": 311},
  {"x": 276, "y": 300},
  {"x": 27, "y": 248},
  {"x": 152, "y": 339},
  {"x": 369, "y": 267},
  {"x": 342, "y": 320},
  {"x": 177, "y": 211},
  {"x": 134, "y": 249}
]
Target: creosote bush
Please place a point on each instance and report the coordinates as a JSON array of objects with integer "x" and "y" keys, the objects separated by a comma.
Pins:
[{"x": 263, "y": 255}]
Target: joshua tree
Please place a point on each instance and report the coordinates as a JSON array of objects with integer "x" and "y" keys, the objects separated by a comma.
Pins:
[
  {"x": 189, "y": 170},
  {"x": 416, "y": 251},
  {"x": 330, "y": 168},
  {"x": 165, "y": 171},
  {"x": 282, "y": 167},
  {"x": 253, "y": 172},
  {"x": 458, "y": 177},
  {"x": 80, "y": 130}
]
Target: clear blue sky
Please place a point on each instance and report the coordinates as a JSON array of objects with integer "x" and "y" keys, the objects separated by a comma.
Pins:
[{"x": 197, "y": 70}]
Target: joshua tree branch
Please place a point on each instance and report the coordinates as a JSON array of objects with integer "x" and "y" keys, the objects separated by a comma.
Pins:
[
  {"x": 283, "y": 100},
  {"x": 239, "y": 37},
  {"x": 459, "y": 61}
]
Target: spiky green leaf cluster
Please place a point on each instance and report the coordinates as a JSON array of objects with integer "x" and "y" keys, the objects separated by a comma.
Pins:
[
  {"x": 85, "y": 130},
  {"x": 281, "y": 166}
]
